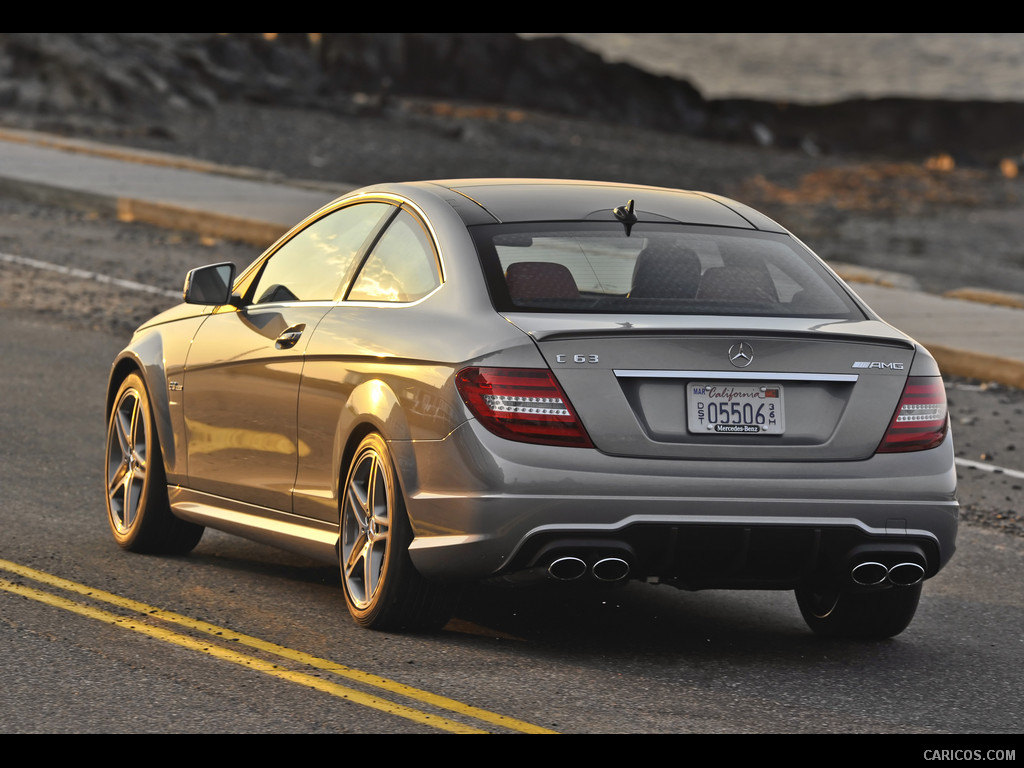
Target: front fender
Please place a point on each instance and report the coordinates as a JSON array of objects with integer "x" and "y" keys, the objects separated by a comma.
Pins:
[{"x": 158, "y": 355}]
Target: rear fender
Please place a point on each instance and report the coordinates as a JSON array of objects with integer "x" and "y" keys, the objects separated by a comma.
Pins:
[{"x": 374, "y": 407}]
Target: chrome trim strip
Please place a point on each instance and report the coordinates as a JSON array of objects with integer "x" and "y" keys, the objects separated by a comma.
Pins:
[{"x": 649, "y": 373}]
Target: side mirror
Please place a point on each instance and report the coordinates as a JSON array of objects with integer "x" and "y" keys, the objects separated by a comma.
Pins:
[{"x": 210, "y": 284}]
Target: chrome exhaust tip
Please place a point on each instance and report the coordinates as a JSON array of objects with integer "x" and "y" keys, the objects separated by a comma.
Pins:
[
  {"x": 869, "y": 573},
  {"x": 906, "y": 574},
  {"x": 610, "y": 569},
  {"x": 567, "y": 568}
]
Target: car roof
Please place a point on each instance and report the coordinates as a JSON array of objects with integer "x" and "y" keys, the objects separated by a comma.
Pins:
[{"x": 481, "y": 201}]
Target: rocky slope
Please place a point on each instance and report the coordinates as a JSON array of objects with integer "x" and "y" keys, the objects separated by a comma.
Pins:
[{"x": 140, "y": 79}]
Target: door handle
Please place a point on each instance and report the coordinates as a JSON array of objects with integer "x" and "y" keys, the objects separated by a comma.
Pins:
[{"x": 289, "y": 336}]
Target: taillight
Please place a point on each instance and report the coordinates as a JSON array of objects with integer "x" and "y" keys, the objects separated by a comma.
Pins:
[
  {"x": 524, "y": 404},
  {"x": 921, "y": 420}
]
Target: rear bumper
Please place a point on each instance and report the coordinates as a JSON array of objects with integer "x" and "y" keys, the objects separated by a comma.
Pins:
[{"x": 482, "y": 506}]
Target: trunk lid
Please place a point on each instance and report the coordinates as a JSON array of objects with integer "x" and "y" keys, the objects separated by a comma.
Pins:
[{"x": 754, "y": 389}]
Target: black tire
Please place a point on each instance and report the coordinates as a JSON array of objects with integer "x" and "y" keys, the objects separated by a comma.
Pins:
[
  {"x": 859, "y": 615},
  {"x": 383, "y": 589},
  {"x": 137, "y": 506}
]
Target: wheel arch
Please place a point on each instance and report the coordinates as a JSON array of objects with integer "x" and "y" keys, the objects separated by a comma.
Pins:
[
  {"x": 373, "y": 406},
  {"x": 147, "y": 361},
  {"x": 355, "y": 437},
  {"x": 123, "y": 367}
]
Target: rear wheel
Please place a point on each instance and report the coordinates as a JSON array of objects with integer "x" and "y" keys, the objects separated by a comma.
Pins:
[
  {"x": 137, "y": 507},
  {"x": 383, "y": 589},
  {"x": 859, "y": 615}
]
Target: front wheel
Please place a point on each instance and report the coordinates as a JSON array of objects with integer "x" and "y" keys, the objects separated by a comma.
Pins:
[
  {"x": 859, "y": 615},
  {"x": 383, "y": 589},
  {"x": 138, "y": 511}
]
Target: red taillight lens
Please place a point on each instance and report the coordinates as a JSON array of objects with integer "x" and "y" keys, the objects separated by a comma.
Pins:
[
  {"x": 920, "y": 421},
  {"x": 524, "y": 404}
]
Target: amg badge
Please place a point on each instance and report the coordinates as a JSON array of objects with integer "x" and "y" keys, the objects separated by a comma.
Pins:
[{"x": 876, "y": 364}]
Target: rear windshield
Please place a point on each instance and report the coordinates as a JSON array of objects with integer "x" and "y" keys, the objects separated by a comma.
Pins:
[{"x": 595, "y": 267}]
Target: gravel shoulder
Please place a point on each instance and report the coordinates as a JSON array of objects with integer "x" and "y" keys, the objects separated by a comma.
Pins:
[{"x": 88, "y": 241}]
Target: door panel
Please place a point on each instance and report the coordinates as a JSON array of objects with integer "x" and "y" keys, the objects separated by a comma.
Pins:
[{"x": 240, "y": 393}]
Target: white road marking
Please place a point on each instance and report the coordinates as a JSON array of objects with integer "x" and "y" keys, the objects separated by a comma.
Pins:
[
  {"x": 85, "y": 274},
  {"x": 989, "y": 468}
]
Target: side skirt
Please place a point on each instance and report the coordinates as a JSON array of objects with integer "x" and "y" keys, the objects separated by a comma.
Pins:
[{"x": 313, "y": 538}]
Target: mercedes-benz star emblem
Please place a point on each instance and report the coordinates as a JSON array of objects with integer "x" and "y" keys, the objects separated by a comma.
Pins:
[{"x": 741, "y": 355}]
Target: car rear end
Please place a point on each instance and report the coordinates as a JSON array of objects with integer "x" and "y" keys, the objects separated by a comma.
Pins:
[
  {"x": 710, "y": 404},
  {"x": 704, "y": 475}
]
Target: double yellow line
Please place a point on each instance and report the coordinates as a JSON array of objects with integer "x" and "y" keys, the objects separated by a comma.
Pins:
[{"x": 147, "y": 619}]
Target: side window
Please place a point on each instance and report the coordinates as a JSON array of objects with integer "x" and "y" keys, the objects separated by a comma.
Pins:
[
  {"x": 401, "y": 267},
  {"x": 311, "y": 266}
]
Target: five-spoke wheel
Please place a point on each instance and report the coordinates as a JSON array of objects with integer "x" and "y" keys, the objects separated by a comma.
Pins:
[
  {"x": 382, "y": 587},
  {"x": 366, "y": 525},
  {"x": 137, "y": 508}
]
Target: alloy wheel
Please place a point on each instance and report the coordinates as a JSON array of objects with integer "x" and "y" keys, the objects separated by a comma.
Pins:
[
  {"x": 127, "y": 460},
  {"x": 366, "y": 528}
]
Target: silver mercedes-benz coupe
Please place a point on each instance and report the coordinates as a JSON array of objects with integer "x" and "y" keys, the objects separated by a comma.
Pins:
[{"x": 434, "y": 383}]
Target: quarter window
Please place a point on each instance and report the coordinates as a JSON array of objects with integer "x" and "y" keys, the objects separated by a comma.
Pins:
[
  {"x": 312, "y": 265},
  {"x": 402, "y": 265}
]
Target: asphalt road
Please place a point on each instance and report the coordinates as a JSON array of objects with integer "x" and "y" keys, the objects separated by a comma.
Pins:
[{"x": 259, "y": 641}]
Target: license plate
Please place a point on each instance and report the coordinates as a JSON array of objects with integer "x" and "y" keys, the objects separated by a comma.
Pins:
[{"x": 736, "y": 409}]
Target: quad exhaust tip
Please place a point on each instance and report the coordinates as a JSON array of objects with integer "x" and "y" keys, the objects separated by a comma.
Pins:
[
  {"x": 906, "y": 574},
  {"x": 567, "y": 568},
  {"x": 610, "y": 569},
  {"x": 871, "y": 574}
]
